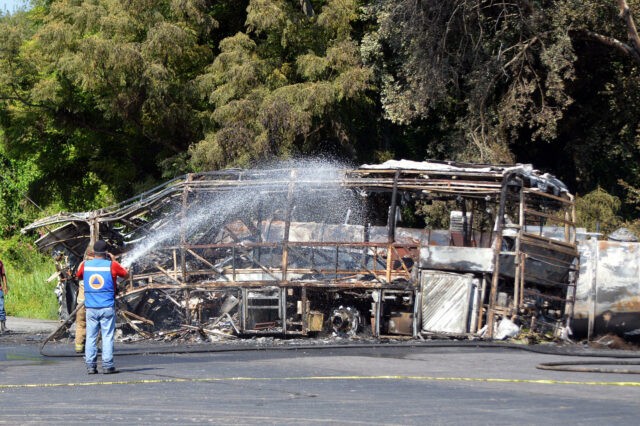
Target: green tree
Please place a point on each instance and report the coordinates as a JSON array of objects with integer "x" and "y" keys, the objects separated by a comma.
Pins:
[
  {"x": 598, "y": 206},
  {"x": 290, "y": 84},
  {"x": 555, "y": 83},
  {"x": 99, "y": 95},
  {"x": 492, "y": 68}
]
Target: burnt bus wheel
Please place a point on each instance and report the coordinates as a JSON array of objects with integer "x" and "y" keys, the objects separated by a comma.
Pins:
[{"x": 345, "y": 320}]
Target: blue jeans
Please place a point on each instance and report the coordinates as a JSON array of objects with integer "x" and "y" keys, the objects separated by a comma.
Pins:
[
  {"x": 3, "y": 314},
  {"x": 104, "y": 320}
]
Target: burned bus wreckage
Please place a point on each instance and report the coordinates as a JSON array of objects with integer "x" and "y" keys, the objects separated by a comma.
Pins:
[{"x": 316, "y": 248}]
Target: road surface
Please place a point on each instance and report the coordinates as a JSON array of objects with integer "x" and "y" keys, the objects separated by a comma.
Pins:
[{"x": 356, "y": 385}]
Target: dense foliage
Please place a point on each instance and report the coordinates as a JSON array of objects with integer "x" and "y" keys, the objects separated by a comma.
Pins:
[{"x": 100, "y": 99}]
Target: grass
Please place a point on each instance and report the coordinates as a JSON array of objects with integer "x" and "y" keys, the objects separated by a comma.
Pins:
[{"x": 30, "y": 295}]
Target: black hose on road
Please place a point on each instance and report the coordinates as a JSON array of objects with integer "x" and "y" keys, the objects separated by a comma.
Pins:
[
  {"x": 63, "y": 326},
  {"x": 569, "y": 366}
]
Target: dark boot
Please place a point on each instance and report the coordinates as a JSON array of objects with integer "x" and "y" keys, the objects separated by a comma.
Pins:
[{"x": 3, "y": 326}]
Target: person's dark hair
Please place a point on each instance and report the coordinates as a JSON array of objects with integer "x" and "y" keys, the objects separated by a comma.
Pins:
[{"x": 100, "y": 248}]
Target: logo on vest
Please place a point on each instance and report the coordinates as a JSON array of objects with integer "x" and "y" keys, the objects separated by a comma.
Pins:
[{"x": 96, "y": 281}]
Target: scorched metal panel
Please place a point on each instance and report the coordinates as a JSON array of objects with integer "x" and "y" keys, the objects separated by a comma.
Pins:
[{"x": 446, "y": 301}]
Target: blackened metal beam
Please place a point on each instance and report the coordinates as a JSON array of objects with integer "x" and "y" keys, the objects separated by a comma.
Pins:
[
  {"x": 496, "y": 254},
  {"x": 391, "y": 220}
]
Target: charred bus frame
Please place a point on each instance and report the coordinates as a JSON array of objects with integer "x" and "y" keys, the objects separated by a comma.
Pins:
[{"x": 276, "y": 274}]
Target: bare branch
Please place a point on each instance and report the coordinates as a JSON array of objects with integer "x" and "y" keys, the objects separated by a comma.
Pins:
[
  {"x": 521, "y": 52},
  {"x": 632, "y": 32},
  {"x": 608, "y": 41}
]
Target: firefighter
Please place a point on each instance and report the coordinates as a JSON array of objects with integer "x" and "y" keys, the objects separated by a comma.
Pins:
[
  {"x": 81, "y": 320},
  {"x": 99, "y": 293}
]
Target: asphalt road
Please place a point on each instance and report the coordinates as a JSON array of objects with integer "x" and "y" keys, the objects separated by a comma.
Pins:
[
  {"x": 326, "y": 386},
  {"x": 30, "y": 325}
]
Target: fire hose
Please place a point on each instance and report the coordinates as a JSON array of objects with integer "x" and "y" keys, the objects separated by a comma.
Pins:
[
  {"x": 570, "y": 366},
  {"x": 63, "y": 327}
]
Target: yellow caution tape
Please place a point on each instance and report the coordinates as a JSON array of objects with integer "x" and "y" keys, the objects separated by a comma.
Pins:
[{"x": 223, "y": 379}]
